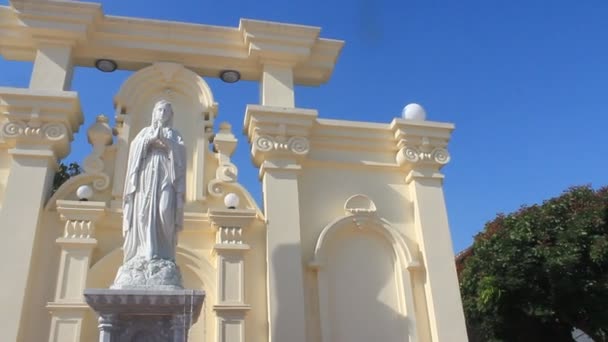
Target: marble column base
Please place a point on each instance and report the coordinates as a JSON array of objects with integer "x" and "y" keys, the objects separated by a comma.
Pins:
[{"x": 145, "y": 315}]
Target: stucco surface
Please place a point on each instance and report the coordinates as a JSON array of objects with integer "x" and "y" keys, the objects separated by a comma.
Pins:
[{"x": 352, "y": 243}]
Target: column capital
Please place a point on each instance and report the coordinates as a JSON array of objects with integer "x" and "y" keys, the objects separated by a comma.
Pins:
[
  {"x": 421, "y": 146},
  {"x": 279, "y": 134},
  {"x": 39, "y": 120}
]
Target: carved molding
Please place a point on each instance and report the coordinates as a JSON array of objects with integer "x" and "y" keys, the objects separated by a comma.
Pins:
[
  {"x": 93, "y": 165},
  {"x": 293, "y": 145},
  {"x": 423, "y": 152},
  {"x": 268, "y": 147},
  {"x": 230, "y": 235},
  {"x": 80, "y": 217},
  {"x": 79, "y": 229},
  {"x": 279, "y": 137},
  {"x": 100, "y": 137},
  {"x": 85, "y": 24},
  {"x": 37, "y": 135},
  {"x": 225, "y": 173},
  {"x": 39, "y": 121},
  {"x": 224, "y": 144},
  {"x": 422, "y": 146},
  {"x": 242, "y": 218},
  {"x": 230, "y": 225},
  {"x": 410, "y": 154},
  {"x": 34, "y": 129},
  {"x": 359, "y": 204}
]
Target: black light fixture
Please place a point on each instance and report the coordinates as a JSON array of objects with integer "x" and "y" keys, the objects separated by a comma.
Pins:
[
  {"x": 106, "y": 65},
  {"x": 230, "y": 76}
]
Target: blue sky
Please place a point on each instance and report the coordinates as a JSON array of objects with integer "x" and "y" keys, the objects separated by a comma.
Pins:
[{"x": 525, "y": 82}]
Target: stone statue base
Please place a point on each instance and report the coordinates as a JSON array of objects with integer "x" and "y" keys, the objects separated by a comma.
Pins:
[
  {"x": 155, "y": 274},
  {"x": 145, "y": 315}
]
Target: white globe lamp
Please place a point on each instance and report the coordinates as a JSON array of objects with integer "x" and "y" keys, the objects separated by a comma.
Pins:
[
  {"x": 231, "y": 201},
  {"x": 414, "y": 111},
  {"x": 84, "y": 192}
]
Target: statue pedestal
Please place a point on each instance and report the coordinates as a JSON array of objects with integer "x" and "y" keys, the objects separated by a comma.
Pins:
[{"x": 145, "y": 315}]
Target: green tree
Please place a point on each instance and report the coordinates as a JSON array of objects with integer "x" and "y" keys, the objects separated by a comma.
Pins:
[
  {"x": 536, "y": 274},
  {"x": 64, "y": 173}
]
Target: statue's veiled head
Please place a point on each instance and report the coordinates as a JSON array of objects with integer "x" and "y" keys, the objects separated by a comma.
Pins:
[{"x": 163, "y": 113}]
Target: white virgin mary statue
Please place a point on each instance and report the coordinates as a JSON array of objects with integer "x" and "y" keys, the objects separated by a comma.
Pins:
[{"x": 153, "y": 199}]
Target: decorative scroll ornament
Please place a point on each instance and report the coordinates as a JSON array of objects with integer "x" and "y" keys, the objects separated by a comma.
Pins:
[
  {"x": 226, "y": 172},
  {"x": 93, "y": 164},
  {"x": 102, "y": 182},
  {"x": 100, "y": 136},
  {"x": 414, "y": 155},
  {"x": 293, "y": 145},
  {"x": 52, "y": 131},
  {"x": 423, "y": 153}
]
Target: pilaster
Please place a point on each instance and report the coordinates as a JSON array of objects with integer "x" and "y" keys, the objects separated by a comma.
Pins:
[
  {"x": 53, "y": 68},
  {"x": 422, "y": 153},
  {"x": 276, "y": 86},
  {"x": 77, "y": 243},
  {"x": 279, "y": 139},
  {"x": 279, "y": 51},
  {"x": 53, "y": 30},
  {"x": 37, "y": 127},
  {"x": 230, "y": 249}
]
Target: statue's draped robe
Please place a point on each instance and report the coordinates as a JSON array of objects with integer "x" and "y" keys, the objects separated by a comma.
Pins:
[{"x": 154, "y": 195}]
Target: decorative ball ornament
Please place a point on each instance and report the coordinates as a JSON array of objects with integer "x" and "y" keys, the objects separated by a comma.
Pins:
[
  {"x": 100, "y": 133},
  {"x": 414, "y": 111},
  {"x": 231, "y": 201},
  {"x": 84, "y": 192}
]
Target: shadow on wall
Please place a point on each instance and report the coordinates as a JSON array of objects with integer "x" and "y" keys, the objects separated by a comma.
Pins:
[{"x": 361, "y": 288}]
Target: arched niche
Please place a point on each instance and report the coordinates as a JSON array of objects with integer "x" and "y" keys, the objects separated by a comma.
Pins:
[
  {"x": 363, "y": 267},
  {"x": 197, "y": 273},
  {"x": 194, "y": 109}
]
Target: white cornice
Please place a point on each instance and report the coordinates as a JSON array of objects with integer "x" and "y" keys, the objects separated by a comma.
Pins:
[
  {"x": 81, "y": 210},
  {"x": 232, "y": 217},
  {"x": 290, "y": 45},
  {"x": 135, "y": 43}
]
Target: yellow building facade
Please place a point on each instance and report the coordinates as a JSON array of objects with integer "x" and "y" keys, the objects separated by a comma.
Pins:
[{"x": 352, "y": 243}]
